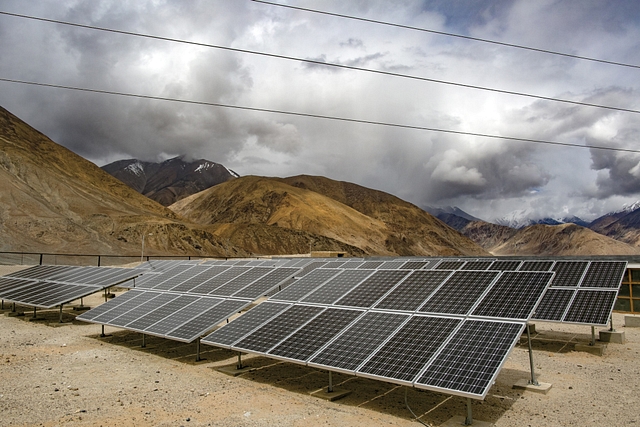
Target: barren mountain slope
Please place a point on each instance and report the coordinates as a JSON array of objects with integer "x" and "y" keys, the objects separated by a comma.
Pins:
[
  {"x": 272, "y": 202},
  {"x": 52, "y": 200},
  {"x": 486, "y": 234},
  {"x": 564, "y": 239}
]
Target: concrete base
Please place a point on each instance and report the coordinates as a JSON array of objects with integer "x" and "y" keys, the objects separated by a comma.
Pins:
[
  {"x": 532, "y": 329},
  {"x": 632, "y": 321},
  {"x": 233, "y": 370},
  {"x": 542, "y": 388},
  {"x": 613, "y": 336},
  {"x": 14, "y": 314},
  {"x": 458, "y": 421},
  {"x": 83, "y": 308},
  {"x": 337, "y": 393},
  {"x": 597, "y": 349}
]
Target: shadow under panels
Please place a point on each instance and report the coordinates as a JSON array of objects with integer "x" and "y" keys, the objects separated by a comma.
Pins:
[{"x": 395, "y": 325}]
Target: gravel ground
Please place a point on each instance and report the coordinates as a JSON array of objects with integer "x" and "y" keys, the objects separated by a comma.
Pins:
[{"x": 55, "y": 374}]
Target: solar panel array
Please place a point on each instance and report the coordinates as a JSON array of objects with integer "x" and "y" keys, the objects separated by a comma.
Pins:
[
  {"x": 398, "y": 325},
  {"x": 47, "y": 286}
]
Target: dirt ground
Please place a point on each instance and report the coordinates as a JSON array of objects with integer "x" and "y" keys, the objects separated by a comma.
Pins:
[{"x": 55, "y": 374}]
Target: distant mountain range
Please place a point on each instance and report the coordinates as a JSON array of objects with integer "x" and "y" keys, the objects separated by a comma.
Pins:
[{"x": 169, "y": 181}]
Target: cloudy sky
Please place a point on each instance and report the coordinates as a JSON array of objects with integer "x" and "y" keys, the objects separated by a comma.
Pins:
[{"x": 486, "y": 177}]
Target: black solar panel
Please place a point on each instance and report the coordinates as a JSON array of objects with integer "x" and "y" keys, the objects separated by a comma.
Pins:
[
  {"x": 103, "y": 308},
  {"x": 305, "y": 285},
  {"x": 505, "y": 265},
  {"x": 471, "y": 360},
  {"x": 568, "y": 273},
  {"x": 373, "y": 288},
  {"x": 353, "y": 346},
  {"x": 391, "y": 265},
  {"x": 460, "y": 292},
  {"x": 266, "y": 283},
  {"x": 245, "y": 324},
  {"x": 310, "y": 338},
  {"x": 162, "y": 312},
  {"x": 591, "y": 307},
  {"x": 405, "y": 354},
  {"x": 554, "y": 304},
  {"x": 219, "y": 280},
  {"x": 536, "y": 266},
  {"x": 241, "y": 281},
  {"x": 204, "y": 322},
  {"x": 414, "y": 290},
  {"x": 371, "y": 265},
  {"x": 172, "y": 282},
  {"x": 514, "y": 295},
  {"x": 604, "y": 274},
  {"x": 197, "y": 280},
  {"x": 335, "y": 288},
  {"x": 118, "y": 306},
  {"x": 414, "y": 265},
  {"x": 182, "y": 316},
  {"x": 277, "y": 329},
  {"x": 477, "y": 265},
  {"x": 449, "y": 265},
  {"x": 141, "y": 310}
]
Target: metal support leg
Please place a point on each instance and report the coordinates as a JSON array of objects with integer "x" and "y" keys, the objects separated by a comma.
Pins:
[
  {"x": 60, "y": 313},
  {"x": 593, "y": 336},
  {"x": 2, "y": 304},
  {"x": 144, "y": 340},
  {"x": 611, "y": 324},
  {"x": 198, "y": 350},
  {"x": 81, "y": 302},
  {"x": 330, "y": 388},
  {"x": 13, "y": 310},
  {"x": 533, "y": 380},
  {"x": 34, "y": 312},
  {"x": 102, "y": 334},
  {"x": 469, "y": 419},
  {"x": 239, "y": 364}
]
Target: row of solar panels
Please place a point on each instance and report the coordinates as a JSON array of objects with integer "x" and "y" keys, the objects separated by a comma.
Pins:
[{"x": 49, "y": 286}]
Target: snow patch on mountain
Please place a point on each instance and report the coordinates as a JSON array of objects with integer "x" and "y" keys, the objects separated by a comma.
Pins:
[{"x": 135, "y": 168}]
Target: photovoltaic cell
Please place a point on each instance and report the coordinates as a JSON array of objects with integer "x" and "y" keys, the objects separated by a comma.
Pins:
[
  {"x": 450, "y": 265},
  {"x": 182, "y": 316},
  {"x": 204, "y": 322},
  {"x": 266, "y": 283},
  {"x": 591, "y": 307},
  {"x": 245, "y": 324},
  {"x": 353, "y": 346},
  {"x": 477, "y": 265},
  {"x": 277, "y": 329},
  {"x": 173, "y": 281},
  {"x": 141, "y": 310},
  {"x": 554, "y": 304},
  {"x": 103, "y": 308},
  {"x": 568, "y": 273},
  {"x": 604, "y": 274},
  {"x": 471, "y": 360},
  {"x": 305, "y": 285},
  {"x": 311, "y": 337},
  {"x": 536, "y": 266},
  {"x": 391, "y": 265},
  {"x": 118, "y": 308},
  {"x": 219, "y": 280},
  {"x": 405, "y": 354},
  {"x": 372, "y": 265},
  {"x": 160, "y": 313},
  {"x": 505, "y": 265},
  {"x": 514, "y": 295},
  {"x": 414, "y": 290},
  {"x": 460, "y": 292},
  {"x": 336, "y": 287},
  {"x": 233, "y": 286},
  {"x": 373, "y": 288},
  {"x": 414, "y": 265},
  {"x": 197, "y": 280}
]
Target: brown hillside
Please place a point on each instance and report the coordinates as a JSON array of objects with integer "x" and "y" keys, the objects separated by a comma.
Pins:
[
  {"x": 486, "y": 234},
  {"x": 558, "y": 240},
  {"x": 326, "y": 223},
  {"x": 52, "y": 200}
]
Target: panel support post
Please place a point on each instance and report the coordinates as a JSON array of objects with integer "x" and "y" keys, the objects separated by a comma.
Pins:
[
  {"x": 611, "y": 324},
  {"x": 102, "y": 335},
  {"x": 13, "y": 309},
  {"x": 239, "y": 364},
  {"x": 469, "y": 419},
  {"x": 593, "y": 336},
  {"x": 60, "y": 313},
  {"x": 2, "y": 304},
  {"x": 144, "y": 340},
  {"x": 198, "y": 350},
  {"x": 34, "y": 312},
  {"x": 533, "y": 380},
  {"x": 330, "y": 388},
  {"x": 81, "y": 302}
]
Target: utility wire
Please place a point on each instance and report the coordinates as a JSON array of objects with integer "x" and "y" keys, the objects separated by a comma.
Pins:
[
  {"x": 326, "y": 64},
  {"x": 443, "y": 33},
  {"x": 318, "y": 116}
]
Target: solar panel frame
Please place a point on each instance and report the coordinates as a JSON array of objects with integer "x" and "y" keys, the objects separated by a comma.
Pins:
[
  {"x": 182, "y": 316},
  {"x": 536, "y": 265},
  {"x": 336, "y": 287},
  {"x": 108, "y": 305},
  {"x": 569, "y": 273},
  {"x": 266, "y": 283},
  {"x": 604, "y": 274},
  {"x": 459, "y": 294},
  {"x": 554, "y": 304},
  {"x": 591, "y": 307},
  {"x": 305, "y": 285},
  {"x": 372, "y": 289},
  {"x": 413, "y": 291}
]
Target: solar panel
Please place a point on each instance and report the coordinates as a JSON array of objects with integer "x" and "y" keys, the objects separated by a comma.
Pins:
[
  {"x": 460, "y": 292},
  {"x": 514, "y": 295},
  {"x": 403, "y": 357},
  {"x": 10, "y": 283},
  {"x": 266, "y": 283},
  {"x": 505, "y": 265},
  {"x": 305, "y": 285},
  {"x": 450, "y": 265},
  {"x": 160, "y": 313},
  {"x": 554, "y": 304},
  {"x": 604, "y": 274},
  {"x": 35, "y": 272},
  {"x": 536, "y": 266},
  {"x": 119, "y": 305},
  {"x": 471, "y": 360},
  {"x": 245, "y": 324},
  {"x": 197, "y": 280},
  {"x": 372, "y": 265},
  {"x": 219, "y": 280},
  {"x": 414, "y": 290},
  {"x": 477, "y": 265},
  {"x": 138, "y": 311},
  {"x": 204, "y": 322},
  {"x": 413, "y": 265},
  {"x": 311, "y": 337},
  {"x": 336, "y": 287},
  {"x": 103, "y": 308},
  {"x": 277, "y": 329},
  {"x": 177, "y": 279},
  {"x": 372, "y": 288},
  {"x": 391, "y": 265},
  {"x": 182, "y": 316},
  {"x": 166, "y": 275},
  {"x": 334, "y": 264},
  {"x": 568, "y": 273},
  {"x": 591, "y": 307},
  {"x": 354, "y": 345}
]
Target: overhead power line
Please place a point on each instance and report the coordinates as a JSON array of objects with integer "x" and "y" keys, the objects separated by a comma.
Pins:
[
  {"x": 443, "y": 33},
  {"x": 327, "y": 64},
  {"x": 317, "y": 116}
]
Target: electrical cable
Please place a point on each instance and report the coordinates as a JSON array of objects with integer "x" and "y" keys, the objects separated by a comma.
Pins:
[
  {"x": 415, "y": 417},
  {"x": 320, "y": 116},
  {"x": 328, "y": 64},
  {"x": 443, "y": 33}
]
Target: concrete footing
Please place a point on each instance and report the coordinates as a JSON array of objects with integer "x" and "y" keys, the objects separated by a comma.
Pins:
[
  {"x": 233, "y": 370},
  {"x": 596, "y": 349},
  {"x": 532, "y": 329},
  {"x": 337, "y": 393},
  {"x": 458, "y": 421},
  {"x": 83, "y": 308},
  {"x": 542, "y": 388},
  {"x": 632, "y": 321},
  {"x": 14, "y": 313},
  {"x": 612, "y": 336}
]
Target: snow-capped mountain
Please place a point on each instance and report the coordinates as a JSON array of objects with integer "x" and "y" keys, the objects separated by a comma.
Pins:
[
  {"x": 169, "y": 181},
  {"x": 524, "y": 217}
]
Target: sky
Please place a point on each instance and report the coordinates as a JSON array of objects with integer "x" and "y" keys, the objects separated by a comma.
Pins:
[{"x": 487, "y": 177}]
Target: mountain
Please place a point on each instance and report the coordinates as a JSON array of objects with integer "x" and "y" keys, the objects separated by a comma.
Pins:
[
  {"x": 561, "y": 240},
  {"x": 318, "y": 213},
  {"x": 623, "y": 225},
  {"x": 54, "y": 201},
  {"x": 599, "y": 224},
  {"x": 171, "y": 180},
  {"x": 488, "y": 235},
  {"x": 524, "y": 217},
  {"x": 450, "y": 210}
]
